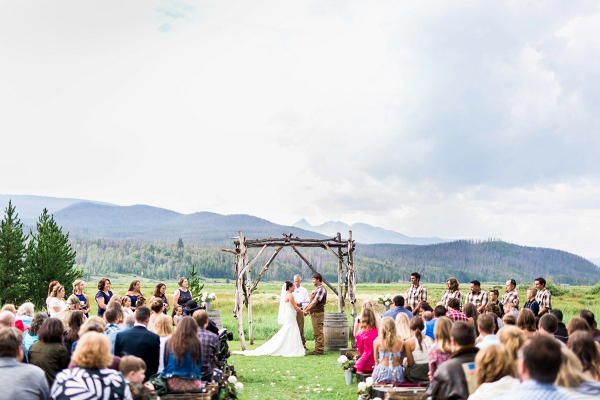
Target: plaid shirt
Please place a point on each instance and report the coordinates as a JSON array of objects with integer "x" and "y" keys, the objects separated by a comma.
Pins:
[
  {"x": 544, "y": 299},
  {"x": 318, "y": 293},
  {"x": 415, "y": 294},
  {"x": 456, "y": 315},
  {"x": 510, "y": 296},
  {"x": 478, "y": 299},
  {"x": 210, "y": 346},
  {"x": 451, "y": 294}
]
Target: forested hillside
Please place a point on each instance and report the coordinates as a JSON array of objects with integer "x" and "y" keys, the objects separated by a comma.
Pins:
[{"x": 489, "y": 261}]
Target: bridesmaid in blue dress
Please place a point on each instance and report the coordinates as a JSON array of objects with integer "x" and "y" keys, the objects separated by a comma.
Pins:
[
  {"x": 182, "y": 295},
  {"x": 134, "y": 292},
  {"x": 84, "y": 300},
  {"x": 103, "y": 296}
]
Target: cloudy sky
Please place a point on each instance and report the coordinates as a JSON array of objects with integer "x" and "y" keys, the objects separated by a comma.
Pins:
[{"x": 458, "y": 119}]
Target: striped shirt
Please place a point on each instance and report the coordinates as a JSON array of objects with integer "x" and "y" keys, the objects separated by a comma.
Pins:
[
  {"x": 478, "y": 299},
  {"x": 451, "y": 294},
  {"x": 415, "y": 294},
  {"x": 510, "y": 296},
  {"x": 544, "y": 299}
]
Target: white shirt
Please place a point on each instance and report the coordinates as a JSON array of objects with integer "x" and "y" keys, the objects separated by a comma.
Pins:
[
  {"x": 301, "y": 296},
  {"x": 56, "y": 302}
]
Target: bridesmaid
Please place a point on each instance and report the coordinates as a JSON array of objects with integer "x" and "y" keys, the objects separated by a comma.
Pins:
[
  {"x": 134, "y": 292},
  {"x": 182, "y": 295},
  {"x": 57, "y": 300},
  {"x": 103, "y": 296},
  {"x": 159, "y": 293},
  {"x": 84, "y": 300}
]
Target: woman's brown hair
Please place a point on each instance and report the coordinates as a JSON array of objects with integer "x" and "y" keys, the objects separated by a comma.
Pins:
[
  {"x": 102, "y": 283},
  {"x": 184, "y": 340},
  {"x": 453, "y": 283},
  {"x": 526, "y": 320},
  {"x": 75, "y": 321},
  {"x": 93, "y": 351},
  {"x": 51, "y": 286},
  {"x": 157, "y": 289},
  {"x": 417, "y": 325},
  {"x": 132, "y": 285},
  {"x": 51, "y": 331},
  {"x": 368, "y": 320},
  {"x": 577, "y": 324},
  {"x": 157, "y": 305},
  {"x": 494, "y": 363},
  {"x": 583, "y": 345}
]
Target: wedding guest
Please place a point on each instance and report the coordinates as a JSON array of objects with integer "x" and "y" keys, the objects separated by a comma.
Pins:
[
  {"x": 509, "y": 319},
  {"x": 591, "y": 320},
  {"x": 57, "y": 300},
  {"x": 84, "y": 300},
  {"x": 511, "y": 293},
  {"x": 182, "y": 295},
  {"x": 114, "y": 304},
  {"x": 543, "y": 296},
  {"x": 19, "y": 380},
  {"x": 398, "y": 308},
  {"x": 366, "y": 304},
  {"x": 177, "y": 314},
  {"x": 511, "y": 309},
  {"x": 513, "y": 339},
  {"x": 548, "y": 325},
  {"x": 48, "y": 352},
  {"x": 577, "y": 324},
  {"x": 582, "y": 344},
  {"x": 30, "y": 336},
  {"x": 164, "y": 330},
  {"x": 76, "y": 320},
  {"x": 494, "y": 311},
  {"x": 210, "y": 345},
  {"x": 531, "y": 302},
  {"x": 98, "y": 328},
  {"x": 50, "y": 289},
  {"x": 495, "y": 373},
  {"x": 364, "y": 341},
  {"x": 318, "y": 299},
  {"x": 112, "y": 328},
  {"x": 421, "y": 309},
  {"x": 103, "y": 296},
  {"x": 134, "y": 292},
  {"x": 157, "y": 307},
  {"x": 402, "y": 326},
  {"x": 184, "y": 358},
  {"x": 470, "y": 310},
  {"x": 441, "y": 350},
  {"x": 388, "y": 366},
  {"x": 301, "y": 297},
  {"x": 416, "y": 293},
  {"x": 573, "y": 381},
  {"x": 453, "y": 292},
  {"x": 133, "y": 370},
  {"x": 485, "y": 327},
  {"x": 141, "y": 302},
  {"x": 562, "y": 333},
  {"x": 417, "y": 371},
  {"x": 526, "y": 323},
  {"x": 454, "y": 311},
  {"x": 7, "y": 319},
  {"x": 493, "y": 299},
  {"x": 25, "y": 313},
  {"x": 126, "y": 306},
  {"x": 159, "y": 292},
  {"x": 72, "y": 305},
  {"x": 477, "y": 296},
  {"x": 438, "y": 312}
]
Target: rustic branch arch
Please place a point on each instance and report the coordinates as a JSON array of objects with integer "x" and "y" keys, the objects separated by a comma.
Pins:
[{"x": 342, "y": 250}]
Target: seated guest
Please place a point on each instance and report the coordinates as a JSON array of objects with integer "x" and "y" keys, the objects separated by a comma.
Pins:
[
  {"x": 388, "y": 348},
  {"x": 157, "y": 308},
  {"x": 577, "y": 324},
  {"x": 76, "y": 320},
  {"x": 25, "y": 313},
  {"x": 510, "y": 308},
  {"x": 93, "y": 327},
  {"x": 115, "y": 305},
  {"x": 19, "y": 380},
  {"x": 365, "y": 304},
  {"x": 402, "y": 326},
  {"x": 526, "y": 323},
  {"x": 210, "y": 345},
  {"x": 441, "y": 350},
  {"x": 30, "y": 336},
  {"x": 495, "y": 311},
  {"x": 10, "y": 307},
  {"x": 509, "y": 319},
  {"x": 454, "y": 312},
  {"x": 72, "y": 305},
  {"x": 561, "y": 333},
  {"x": 495, "y": 373},
  {"x": 417, "y": 371},
  {"x": 439, "y": 311},
  {"x": 548, "y": 325},
  {"x": 485, "y": 327},
  {"x": 531, "y": 303},
  {"x": 364, "y": 341},
  {"x": 399, "y": 308},
  {"x": 493, "y": 295},
  {"x": 470, "y": 311},
  {"x": 49, "y": 352},
  {"x": 134, "y": 371},
  {"x": 450, "y": 381},
  {"x": 572, "y": 381},
  {"x": 7, "y": 319},
  {"x": 589, "y": 317},
  {"x": 538, "y": 369},
  {"x": 183, "y": 358},
  {"x": 164, "y": 330},
  {"x": 111, "y": 317},
  {"x": 422, "y": 308},
  {"x": 126, "y": 306},
  {"x": 583, "y": 345},
  {"x": 513, "y": 339},
  {"x": 90, "y": 379}
]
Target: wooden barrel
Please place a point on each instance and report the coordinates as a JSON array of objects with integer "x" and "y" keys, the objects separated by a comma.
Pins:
[
  {"x": 215, "y": 316},
  {"x": 335, "y": 330}
]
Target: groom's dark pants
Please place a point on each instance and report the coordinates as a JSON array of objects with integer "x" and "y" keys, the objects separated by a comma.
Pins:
[
  {"x": 300, "y": 321},
  {"x": 317, "y": 320}
]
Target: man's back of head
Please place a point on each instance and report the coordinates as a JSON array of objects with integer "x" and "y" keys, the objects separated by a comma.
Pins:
[
  {"x": 399, "y": 301},
  {"x": 589, "y": 317},
  {"x": 111, "y": 316},
  {"x": 486, "y": 324},
  {"x": 201, "y": 317},
  {"x": 557, "y": 313},
  {"x": 462, "y": 333},
  {"x": 548, "y": 324},
  {"x": 454, "y": 303},
  {"x": 142, "y": 315},
  {"x": 7, "y": 319},
  {"x": 439, "y": 311},
  {"x": 542, "y": 358},
  {"x": 10, "y": 341}
]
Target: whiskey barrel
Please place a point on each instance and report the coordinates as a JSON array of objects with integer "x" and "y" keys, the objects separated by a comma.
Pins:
[{"x": 336, "y": 331}]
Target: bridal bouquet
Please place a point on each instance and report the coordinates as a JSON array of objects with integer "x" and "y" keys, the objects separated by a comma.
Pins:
[
  {"x": 344, "y": 362},
  {"x": 384, "y": 299},
  {"x": 208, "y": 297},
  {"x": 364, "y": 388}
]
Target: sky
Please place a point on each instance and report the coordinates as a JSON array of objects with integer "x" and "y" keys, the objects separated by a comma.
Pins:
[{"x": 457, "y": 119}]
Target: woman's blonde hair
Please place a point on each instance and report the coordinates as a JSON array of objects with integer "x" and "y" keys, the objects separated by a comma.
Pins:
[
  {"x": 571, "y": 373},
  {"x": 368, "y": 320},
  {"x": 26, "y": 309},
  {"x": 368, "y": 304},
  {"x": 9, "y": 307},
  {"x": 387, "y": 333},
  {"x": 94, "y": 319},
  {"x": 441, "y": 333},
  {"x": 494, "y": 363},
  {"x": 76, "y": 284},
  {"x": 93, "y": 351},
  {"x": 402, "y": 326},
  {"x": 512, "y": 338},
  {"x": 163, "y": 326}
]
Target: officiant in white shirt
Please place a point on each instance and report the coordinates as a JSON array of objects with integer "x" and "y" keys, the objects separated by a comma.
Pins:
[{"x": 302, "y": 299}]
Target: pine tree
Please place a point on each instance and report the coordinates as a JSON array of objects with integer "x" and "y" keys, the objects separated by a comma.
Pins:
[
  {"x": 12, "y": 257},
  {"x": 50, "y": 257}
]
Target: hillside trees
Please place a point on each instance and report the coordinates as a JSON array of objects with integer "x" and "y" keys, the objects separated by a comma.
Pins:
[{"x": 12, "y": 257}]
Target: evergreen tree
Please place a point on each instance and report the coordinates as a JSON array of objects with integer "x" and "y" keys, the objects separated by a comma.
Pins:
[
  {"x": 180, "y": 244},
  {"x": 12, "y": 258},
  {"x": 50, "y": 257}
]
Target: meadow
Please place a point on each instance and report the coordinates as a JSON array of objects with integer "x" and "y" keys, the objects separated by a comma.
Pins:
[{"x": 314, "y": 377}]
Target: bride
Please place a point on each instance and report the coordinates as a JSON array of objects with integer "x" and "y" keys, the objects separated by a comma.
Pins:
[{"x": 287, "y": 341}]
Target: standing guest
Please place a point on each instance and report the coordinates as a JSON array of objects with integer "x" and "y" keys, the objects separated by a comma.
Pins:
[
  {"x": 140, "y": 342},
  {"x": 19, "y": 380},
  {"x": 76, "y": 320},
  {"x": 485, "y": 326},
  {"x": 417, "y": 371},
  {"x": 183, "y": 358},
  {"x": 538, "y": 369},
  {"x": 449, "y": 380},
  {"x": 318, "y": 299},
  {"x": 441, "y": 350},
  {"x": 415, "y": 294},
  {"x": 526, "y": 322},
  {"x": 561, "y": 333},
  {"x": 364, "y": 341},
  {"x": 388, "y": 349},
  {"x": 30, "y": 336},
  {"x": 133, "y": 370},
  {"x": 438, "y": 312},
  {"x": 177, "y": 314},
  {"x": 210, "y": 344},
  {"x": 103, "y": 296},
  {"x": 402, "y": 326},
  {"x": 49, "y": 352},
  {"x": 134, "y": 292},
  {"x": 159, "y": 292},
  {"x": 112, "y": 328},
  {"x": 57, "y": 300},
  {"x": 25, "y": 313},
  {"x": 531, "y": 302},
  {"x": 50, "y": 288},
  {"x": 84, "y": 300},
  {"x": 366, "y": 304},
  {"x": 182, "y": 295},
  {"x": 493, "y": 296},
  {"x": 301, "y": 298},
  {"x": 572, "y": 380},
  {"x": 126, "y": 306},
  {"x": 398, "y": 308},
  {"x": 590, "y": 319},
  {"x": 454, "y": 311},
  {"x": 495, "y": 373},
  {"x": 164, "y": 329},
  {"x": 477, "y": 296},
  {"x": 543, "y": 296},
  {"x": 494, "y": 310},
  {"x": 513, "y": 339},
  {"x": 91, "y": 379},
  {"x": 453, "y": 292},
  {"x": 511, "y": 293}
]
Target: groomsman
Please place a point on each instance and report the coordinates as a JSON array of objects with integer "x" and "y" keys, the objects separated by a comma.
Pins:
[
  {"x": 511, "y": 292},
  {"x": 301, "y": 297},
  {"x": 543, "y": 296},
  {"x": 318, "y": 298},
  {"x": 415, "y": 294},
  {"x": 477, "y": 296}
]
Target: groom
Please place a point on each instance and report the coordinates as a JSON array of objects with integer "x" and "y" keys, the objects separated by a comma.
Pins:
[
  {"x": 318, "y": 298},
  {"x": 301, "y": 297}
]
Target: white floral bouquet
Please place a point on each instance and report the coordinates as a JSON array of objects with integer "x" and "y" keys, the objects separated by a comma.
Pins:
[
  {"x": 208, "y": 297},
  {"x": 344, "y": 362},
  {"x": 385, "y": 299},
  {"x": 231, "y": 388},
  {"x": 364, "y": 388}
]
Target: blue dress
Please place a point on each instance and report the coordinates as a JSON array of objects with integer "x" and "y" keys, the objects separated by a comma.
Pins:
[
  {"x": 106, "y": 298},
  {"x": 83, "y": 302},
  {"x": 133, "y": 300},
  {"x": 184, "y": 297},
  {"x": 389, "y": 373}
]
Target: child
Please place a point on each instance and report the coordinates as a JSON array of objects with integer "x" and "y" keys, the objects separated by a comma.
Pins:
[
  {"x": 141, "y": 301},
  {"x": 133, "y": 369},
  {"x": 176, "y": 316}
]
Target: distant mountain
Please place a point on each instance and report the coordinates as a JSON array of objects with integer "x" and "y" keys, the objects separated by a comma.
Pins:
[
  {"x": 366, "y": 234},
  {"x": 595, "y": 261}
]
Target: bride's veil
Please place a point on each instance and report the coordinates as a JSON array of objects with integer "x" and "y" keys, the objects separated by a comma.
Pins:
[{"x": 281, "y": 305}]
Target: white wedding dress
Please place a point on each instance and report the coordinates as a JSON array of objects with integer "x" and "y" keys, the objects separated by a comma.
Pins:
[{"x": 286, "y": 342}]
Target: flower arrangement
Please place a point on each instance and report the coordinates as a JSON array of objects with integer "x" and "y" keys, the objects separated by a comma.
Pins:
[
  {"x": 344, "y": 362},
  {"x": 208, "y": 297},
  {"x": 385, "y": 299},
  {"x": 231, "y": 388},
  {"x": 364, "y": 388}
]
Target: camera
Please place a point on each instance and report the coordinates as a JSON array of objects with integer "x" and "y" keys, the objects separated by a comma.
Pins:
[{"x": 223, "y": 352}]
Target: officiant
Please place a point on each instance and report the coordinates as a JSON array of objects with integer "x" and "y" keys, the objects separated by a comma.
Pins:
[{"x": 301, "y": 297}]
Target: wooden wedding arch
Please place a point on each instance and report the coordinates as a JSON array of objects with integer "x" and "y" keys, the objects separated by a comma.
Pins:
[{"x": 341, "y": 249}]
